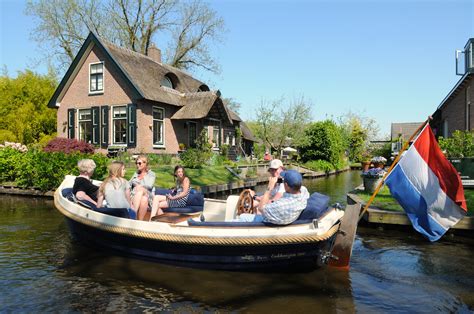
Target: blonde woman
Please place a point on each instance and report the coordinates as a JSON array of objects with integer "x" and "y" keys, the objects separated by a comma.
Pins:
[
  {"x": 115, "y": 189},
  {"x": 142, "y": 186},
  {"x": 83, "y": 188}
]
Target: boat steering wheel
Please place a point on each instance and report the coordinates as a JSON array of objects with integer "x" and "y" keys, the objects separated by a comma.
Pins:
[{"x": 245, "y": 203}]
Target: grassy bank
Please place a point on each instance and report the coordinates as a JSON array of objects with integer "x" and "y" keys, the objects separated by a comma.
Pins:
[
  {"x": 384, "y": 200},
  {"x": 207, "y": 175}
]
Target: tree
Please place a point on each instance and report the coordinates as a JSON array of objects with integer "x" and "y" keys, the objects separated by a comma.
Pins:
[
  {"x": 357, "y": 132},
  {"x": 324, "y": 142},
  {"x": 280, "y": 124},
  {"x": 23, "y": 107},
  {"x": 134, "y": 24},
  {"x": 232, "y": 104}
]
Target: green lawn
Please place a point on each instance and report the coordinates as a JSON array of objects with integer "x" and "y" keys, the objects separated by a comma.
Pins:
[
  {"x": 199, "y": 177},
  {"x": 384, "y": 200}
]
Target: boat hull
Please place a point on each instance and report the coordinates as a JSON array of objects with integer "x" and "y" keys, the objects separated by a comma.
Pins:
[{"x": 291, "y": 256}]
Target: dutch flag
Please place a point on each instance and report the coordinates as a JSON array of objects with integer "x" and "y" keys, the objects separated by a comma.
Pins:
[{"x": 428, "y": 187}]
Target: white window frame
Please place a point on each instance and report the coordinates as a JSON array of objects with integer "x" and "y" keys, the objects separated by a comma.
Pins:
[
  {"x": 162, "y": 144},
  {"x": 113, "y": 125},
  {"x": 103, "y": 78},
  {"x": 79, "y": 133}
]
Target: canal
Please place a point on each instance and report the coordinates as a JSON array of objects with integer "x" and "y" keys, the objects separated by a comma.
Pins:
[{"x": 41, "y": 270}]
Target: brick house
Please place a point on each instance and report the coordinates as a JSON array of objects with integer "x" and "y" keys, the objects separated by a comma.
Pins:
[
  {"x": 456, "y": 111},
  {"x": 115, "y": 98}
]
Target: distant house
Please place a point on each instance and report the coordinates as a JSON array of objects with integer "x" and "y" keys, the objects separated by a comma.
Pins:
[
  {"x": 115, "y": 99},
  {"x": 400, "y": 133},
  {"x": 456, "y": 111}
]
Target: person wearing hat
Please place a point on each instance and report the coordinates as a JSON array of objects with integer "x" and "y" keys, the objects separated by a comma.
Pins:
[
  {"x": 286, "y": 209},
  {"x": 275, "y": 168}
]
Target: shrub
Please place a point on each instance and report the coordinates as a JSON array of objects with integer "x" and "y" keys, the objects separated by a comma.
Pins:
[
  {"x": 9, "y": 159},
  {"x": 67, "y": 145},
  {"x": 319, "y": 165},
  {"x": 225, "y": 150},
  {"x": 42, "y": 169},
  {"x": 193, "y": 158},
  {"x": 7, "y": 135},
  {"x": 324, "y": 142},
  {"x": 160, "y": 159},
  {"x": 459, "y": 145}
]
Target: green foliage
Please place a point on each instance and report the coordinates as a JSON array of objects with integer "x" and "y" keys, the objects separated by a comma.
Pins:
[
  {"x": 319, "y": 165},
  {"x": 193, "y": 158},
  {"x": 357, "y": 131},
  {"x": 160, "y": 159},
  {"x": 258, "y": 150},
  {"x": 460, "y": 144},
  {"x": 198, "y": 157},
  {"x": 280, "y": 123},
  {"x": 225, "y": 150},
  {"x": 384, "y": 151},
  {"x": 7, "y": 136},
  {"x": 324, "y": 142},
  {"x": 42, "y": 169},
  {"x": 23, "y": 107}
]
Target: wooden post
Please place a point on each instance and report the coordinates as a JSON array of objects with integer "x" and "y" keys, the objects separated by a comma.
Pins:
[{"x": 342, "y": 249}]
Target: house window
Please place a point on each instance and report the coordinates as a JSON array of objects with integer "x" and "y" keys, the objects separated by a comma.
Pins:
[
  {"x": 166, "y": 82},
  {"x": 85, "y": 125},
  {"x": 158, "y": 126},
  {"x": 216, "y": 135},
  {"x": 192, "y": 134},
  {"x": 120, "y": 124},
  {"x": 96, "y": 77}
]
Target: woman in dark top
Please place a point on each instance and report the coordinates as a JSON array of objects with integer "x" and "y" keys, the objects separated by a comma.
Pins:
[{"x": 83, "y": 187}]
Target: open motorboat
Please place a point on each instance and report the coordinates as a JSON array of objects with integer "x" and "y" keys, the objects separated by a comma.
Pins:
[{"x": 211, "y": 238}]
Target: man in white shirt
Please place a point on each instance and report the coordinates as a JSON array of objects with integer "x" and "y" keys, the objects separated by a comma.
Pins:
[{"x": 275, "y": 169}]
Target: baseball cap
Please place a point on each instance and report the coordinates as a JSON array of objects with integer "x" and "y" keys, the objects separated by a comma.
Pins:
[
  {"x": 275, "y": 164},
  {"x": 292, "y": 177}
]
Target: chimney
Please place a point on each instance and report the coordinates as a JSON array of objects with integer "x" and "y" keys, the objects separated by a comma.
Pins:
[{"x": 154, "y": 53}]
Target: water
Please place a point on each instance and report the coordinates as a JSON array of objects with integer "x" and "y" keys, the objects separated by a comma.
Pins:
[{"x": 391, "y": 271}]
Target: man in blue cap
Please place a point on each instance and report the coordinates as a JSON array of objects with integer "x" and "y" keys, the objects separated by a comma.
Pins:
[{"x": 286, "y": 209}]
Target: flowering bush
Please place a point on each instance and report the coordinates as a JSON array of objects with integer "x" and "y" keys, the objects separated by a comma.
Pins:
[
  {"x": 379, "y": 160},
  {"x": 17, "y": 146},
  {"x": 373, "y": 173},
  {"x": 66, "y": 145}
]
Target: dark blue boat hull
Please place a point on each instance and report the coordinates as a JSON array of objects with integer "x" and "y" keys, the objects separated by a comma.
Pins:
[{"x": 243, "y": 257}]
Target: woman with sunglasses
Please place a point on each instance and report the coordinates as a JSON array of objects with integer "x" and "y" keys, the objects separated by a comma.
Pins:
[
  {"x": 177, "y": 198},
  {"x": 142, "y": 187}
]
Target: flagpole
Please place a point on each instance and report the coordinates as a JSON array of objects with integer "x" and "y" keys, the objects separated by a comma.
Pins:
[{"x": 379, "y": 186}]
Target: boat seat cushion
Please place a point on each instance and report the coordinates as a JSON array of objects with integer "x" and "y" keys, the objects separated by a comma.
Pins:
[
  {"x": 116, "y": 212},
  {"x": 316, "y": 207},
  {"x": 194, "y": 204}
]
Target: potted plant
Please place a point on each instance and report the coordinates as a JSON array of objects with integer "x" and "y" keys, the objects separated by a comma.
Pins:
[
  {"x": 372, "y": 178},
  {"x": 379, "y": 162}
]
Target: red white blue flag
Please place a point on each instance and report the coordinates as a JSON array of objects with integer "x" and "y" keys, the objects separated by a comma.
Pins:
[{"x": 428, "y": 187}]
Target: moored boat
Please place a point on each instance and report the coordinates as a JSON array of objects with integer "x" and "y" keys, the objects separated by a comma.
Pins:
[{"x": 217, "y": 242}]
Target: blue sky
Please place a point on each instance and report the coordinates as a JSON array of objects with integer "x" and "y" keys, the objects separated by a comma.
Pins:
[{"x": 392, "y": 61}]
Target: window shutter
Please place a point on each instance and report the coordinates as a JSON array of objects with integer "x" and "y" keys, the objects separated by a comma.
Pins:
[
  {"x": 95, "y": 125},
  {"x": 71, "y": 123},
  {"x": 104, "y": 126},
  {"x": 132, "y": 125}
]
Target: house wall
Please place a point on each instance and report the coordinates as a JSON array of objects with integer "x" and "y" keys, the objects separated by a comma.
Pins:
[
  {"x": 116, "y": 92},
  {"x": 454, "y": 111}
]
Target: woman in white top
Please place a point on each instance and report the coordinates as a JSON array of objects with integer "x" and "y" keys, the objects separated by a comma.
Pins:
[{"x": 115, "y": 189}]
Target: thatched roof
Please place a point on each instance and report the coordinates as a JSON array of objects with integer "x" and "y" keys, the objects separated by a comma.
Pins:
[
  {"x": 246, "y": 133},
  {"x": 147, "y": 74}
]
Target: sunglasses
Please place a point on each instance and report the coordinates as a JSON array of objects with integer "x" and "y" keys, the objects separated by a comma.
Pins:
[{"x": 139, "y": 163}]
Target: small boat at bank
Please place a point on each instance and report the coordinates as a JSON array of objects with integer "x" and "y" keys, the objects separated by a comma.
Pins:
[{"x": 216, "y": 242}]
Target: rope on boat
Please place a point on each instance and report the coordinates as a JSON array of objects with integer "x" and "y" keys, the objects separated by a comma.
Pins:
[{"x": 203, "y": 240}]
